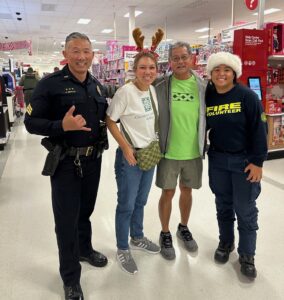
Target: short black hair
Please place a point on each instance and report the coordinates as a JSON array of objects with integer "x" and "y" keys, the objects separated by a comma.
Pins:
[
  {"x": 179, "y": 45},
  {"x": 76, "y": 35}
]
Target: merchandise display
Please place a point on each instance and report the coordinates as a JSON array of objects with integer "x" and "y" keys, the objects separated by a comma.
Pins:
[{"x": 263, "y": 69}]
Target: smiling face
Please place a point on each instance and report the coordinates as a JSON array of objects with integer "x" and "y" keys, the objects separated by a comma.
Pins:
[
  {"x": 223, "y": 78},
  {"x": 145, "y": 72},
  {"x": 79, "y": 55},
  {"x": 181, "y": 62}
]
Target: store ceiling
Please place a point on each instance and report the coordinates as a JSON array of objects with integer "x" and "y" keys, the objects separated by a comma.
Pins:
[{"x": 47, "y": 22}]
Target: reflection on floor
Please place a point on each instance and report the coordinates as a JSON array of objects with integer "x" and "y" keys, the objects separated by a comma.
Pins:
[{"x": 29, "y": 261}]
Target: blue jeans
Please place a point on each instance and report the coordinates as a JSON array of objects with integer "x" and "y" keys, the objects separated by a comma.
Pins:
[
  {"x": 234, "y": 195},
  {"x": 133, "y": 187}
]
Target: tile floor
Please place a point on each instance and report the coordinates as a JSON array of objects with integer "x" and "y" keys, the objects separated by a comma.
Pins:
[{"x": 29, "y": 261}]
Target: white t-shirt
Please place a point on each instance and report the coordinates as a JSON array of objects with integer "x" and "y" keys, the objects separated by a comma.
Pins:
[{"x": 134, "y": 109}]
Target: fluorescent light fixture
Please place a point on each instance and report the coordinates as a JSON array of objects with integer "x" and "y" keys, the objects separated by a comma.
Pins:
[
  {"x": 56, "y": 52},
  {"x": 169, "y": 40},
  {"x": 99, "y": 42},
  {"x": 269, "y": 11},
  {"x": 7, "y": 52},
  {"x": 204, "y": 29},
  {"x": 84, "y": 21},
  {"x": 92, "y": 41},
  {"x": 203, "y": 36},
  {"x": 137, "y": 13},
  {"x": 96, "y": 49},
  {"x": 107, "y": 31}
]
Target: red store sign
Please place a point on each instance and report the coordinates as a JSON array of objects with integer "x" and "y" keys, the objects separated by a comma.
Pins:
[{"x": 251, "y": 4}]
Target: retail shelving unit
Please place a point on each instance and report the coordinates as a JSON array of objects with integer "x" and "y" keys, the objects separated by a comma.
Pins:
[
  {"x": 262, "y": 54},
  {"x": 275, "y": 103}
]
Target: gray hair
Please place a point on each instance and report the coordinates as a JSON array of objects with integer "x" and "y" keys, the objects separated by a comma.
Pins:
[
  {"x": 76, "y": 35},
  {"x": 179, "y": 45}
]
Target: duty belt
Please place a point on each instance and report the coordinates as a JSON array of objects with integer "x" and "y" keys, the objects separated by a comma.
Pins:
[{"x": 82, "y": 151}]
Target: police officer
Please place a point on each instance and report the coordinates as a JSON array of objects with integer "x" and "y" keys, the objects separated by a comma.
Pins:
[{"x": 69, "y": 106}]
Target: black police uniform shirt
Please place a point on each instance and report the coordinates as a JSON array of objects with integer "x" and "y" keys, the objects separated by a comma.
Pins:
[
  {"x": 237, "y": 123},
  {"x": 53, "y": 97}
]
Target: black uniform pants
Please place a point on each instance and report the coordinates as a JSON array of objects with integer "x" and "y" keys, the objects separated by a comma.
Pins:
[
  {"x": 235, "y": 195},
  {"x": 73, "y": 201}
]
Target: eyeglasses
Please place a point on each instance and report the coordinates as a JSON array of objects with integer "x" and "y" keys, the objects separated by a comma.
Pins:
[{"x": 178, "y": 58}]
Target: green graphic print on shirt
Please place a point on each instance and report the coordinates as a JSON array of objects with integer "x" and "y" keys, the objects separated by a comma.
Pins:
[
  {"x": 183, "y": 142},
  {"x": 147, "y": 103}
]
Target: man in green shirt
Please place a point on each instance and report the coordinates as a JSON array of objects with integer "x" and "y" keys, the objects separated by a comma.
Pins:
[{"x": 182, "y": 140}]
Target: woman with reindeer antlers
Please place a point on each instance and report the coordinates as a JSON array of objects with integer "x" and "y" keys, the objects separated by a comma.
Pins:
[{"x": 135, "y": 105}]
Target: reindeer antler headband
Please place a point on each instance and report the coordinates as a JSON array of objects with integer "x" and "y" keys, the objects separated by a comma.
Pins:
[{"x": 139, "y": 40}]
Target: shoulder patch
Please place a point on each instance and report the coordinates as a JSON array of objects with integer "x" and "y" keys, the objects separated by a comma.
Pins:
[
  {"x": 29, "y": 109},
  {"x": 263, "y": 117}
]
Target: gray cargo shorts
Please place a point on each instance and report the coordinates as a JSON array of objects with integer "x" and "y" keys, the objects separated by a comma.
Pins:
[{"x": 188, "y": 171}]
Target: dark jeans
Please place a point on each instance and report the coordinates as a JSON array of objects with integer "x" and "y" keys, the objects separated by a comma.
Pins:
[
  {"x": 73, "y": 201},
  {"x": 234, "y": 195}
]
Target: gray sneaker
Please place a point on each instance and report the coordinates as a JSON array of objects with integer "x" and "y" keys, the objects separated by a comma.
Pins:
[
  {"x": 166, "y": 243},
  {"x": 126, "y": 261},
  {"x": 144, "y": 244},
  {"x": 185, "y": 235}
]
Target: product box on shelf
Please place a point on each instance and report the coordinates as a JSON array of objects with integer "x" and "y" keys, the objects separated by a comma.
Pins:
[
  {"x": 127, "y": 48},
  {"x": 275, "y": 132},
  {"x": 275, "y": 38},
  {"x": 281, "y": 76},
  {"x": 273, "y": 107},
  {"x": 113, "y": 51},
  {"x": 273, "y": 76}
]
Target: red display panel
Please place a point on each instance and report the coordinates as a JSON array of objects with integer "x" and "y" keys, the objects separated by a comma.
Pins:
[{"x": 251, "y": 45}]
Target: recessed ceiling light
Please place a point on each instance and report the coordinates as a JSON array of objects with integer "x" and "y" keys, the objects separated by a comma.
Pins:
[
  {"x": 137, "y": 13},
  {"x": 269, "y": 11},
  {"x": 107, "y": 31},
  {"x": 84, "y": 21},
  {"x": 203, "y": 36},
  {"x": 204, "y": 29}
]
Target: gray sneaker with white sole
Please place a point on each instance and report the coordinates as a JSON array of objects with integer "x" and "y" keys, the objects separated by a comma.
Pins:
[
  {"x": 126, "y": 261},
  {"x": 145, "y": 245}
]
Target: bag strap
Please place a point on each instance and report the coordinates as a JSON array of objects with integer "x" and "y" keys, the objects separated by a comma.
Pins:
[
  {"x": 126, "y": 135},
  {"x": 156, "y": 125}
]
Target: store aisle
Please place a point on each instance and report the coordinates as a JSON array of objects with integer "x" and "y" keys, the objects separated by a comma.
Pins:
[{"x": 29, "y": 260}]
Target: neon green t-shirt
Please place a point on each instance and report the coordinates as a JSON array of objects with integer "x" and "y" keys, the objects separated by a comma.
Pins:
[{"x": 183, "y": 143}]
